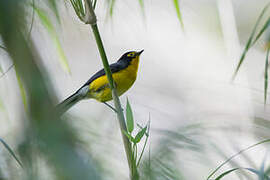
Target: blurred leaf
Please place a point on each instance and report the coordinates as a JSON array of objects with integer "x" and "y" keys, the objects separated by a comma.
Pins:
[
  {"x": 178, "y": 12},
  {"x": 22, "y": 90},
  {"x": 2, "y": 107},
  {"x": 53, "y": 6},
  {"x": 94, "y": 4},
  {"x": 250, "y": 41},
  {"x": 4, "y": 73},
  {"x": 11, "y": 152},
  {"x": 112, "y": 3},
  {"x": 141, "y": 4},
  {"x": 129, "y": 137},
  {"x": 32, "y": 19},
  {"x": 233, "y": 163},
  {"x": 261, "y": 172},
  {"x": 2, "y": 47},
  {"x": 233, "y": 156},
  {"x": 140, "y": 134},
  {"x": 54, "y": 140},
  {"x": 163, "y": 159},
  {"x": 48, "y": 25},
  {"x": 263, "y": 177},
  {"x": 129, "y": 117},
  {"x": 266, "y": 75}
]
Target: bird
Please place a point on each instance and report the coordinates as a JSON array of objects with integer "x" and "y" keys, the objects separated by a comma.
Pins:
[{"x": 124, "y": 73}]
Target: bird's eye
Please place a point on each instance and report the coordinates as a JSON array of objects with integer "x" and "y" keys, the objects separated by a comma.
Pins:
[{"x": 131, "y": 54}]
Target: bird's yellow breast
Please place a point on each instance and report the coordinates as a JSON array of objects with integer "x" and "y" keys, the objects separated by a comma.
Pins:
[{"x": 99, "y": 89}]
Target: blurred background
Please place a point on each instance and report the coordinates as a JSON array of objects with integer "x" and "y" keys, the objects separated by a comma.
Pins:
[{"x": 199, "y": 116}]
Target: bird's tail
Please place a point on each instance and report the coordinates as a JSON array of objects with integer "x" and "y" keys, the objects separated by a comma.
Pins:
[
  {"x": 71, "y": 100},
  {"x": 62, "y": 107}
]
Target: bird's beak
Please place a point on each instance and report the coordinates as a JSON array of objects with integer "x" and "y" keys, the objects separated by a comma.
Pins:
[{"x": 140, "y": 52}]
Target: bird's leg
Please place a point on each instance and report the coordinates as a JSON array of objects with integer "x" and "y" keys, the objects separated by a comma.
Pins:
[{"x": 110, "y": 107}]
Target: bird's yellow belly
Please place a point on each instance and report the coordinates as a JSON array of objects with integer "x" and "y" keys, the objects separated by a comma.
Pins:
[{"x": 99, "y": 89}]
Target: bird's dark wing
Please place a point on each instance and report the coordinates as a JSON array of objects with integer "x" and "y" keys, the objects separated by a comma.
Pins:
[{"x": 115, "y": 67}]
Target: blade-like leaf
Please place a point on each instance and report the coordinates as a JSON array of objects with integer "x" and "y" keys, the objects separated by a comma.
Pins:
[
  {"x": 48, "y": 25},
  {"x": 233, "y": 156},
  {"x": 129, "y": 137},
  {"x": 78, "y": 8},
  {"x": 261, "y": 172},
  {"x": 32, "y": 19},
  {"x": 178, "y": 12},
  {"x": 129, "y": 117},
  {"x": 22, "y": 90},
  {"x": 262, "y": 176},
  {"x": 266, "y": 75},
  {"x": 146, "y": 133},
  {"x": 4, "y": 73},
  {"x": 142, "y": 5},
  {"x": 145, "y": 142},
  {"x": 140, "y": 134},
  {"x": 265, "y": 26},
  {"x": 112, "y": 3},
  {"x": 11, "y": 152},
  {"x": 250, "y": 40},
  {"x": 53, "y": 6},
  {"x": 94, "y": 4},
  {"x": 226, "y": 173}
]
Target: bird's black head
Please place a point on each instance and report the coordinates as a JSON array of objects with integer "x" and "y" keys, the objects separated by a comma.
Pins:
[{"x": 129, "y": 56}]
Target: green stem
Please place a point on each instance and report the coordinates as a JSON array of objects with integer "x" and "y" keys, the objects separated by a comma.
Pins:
[
  {"x": 91, "y": 19},
  {"x": 117, "y": 104}
]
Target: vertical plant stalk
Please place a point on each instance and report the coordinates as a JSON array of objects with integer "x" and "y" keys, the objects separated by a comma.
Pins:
[{"x": 90, "y": 18}]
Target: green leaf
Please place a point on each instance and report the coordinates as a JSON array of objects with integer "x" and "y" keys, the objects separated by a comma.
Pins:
[
  {"x": 11, "y": 152},
  {"x": 112, "y": 3},
  {"x": 141, "y": 3},
  {"x": 8, "y": 69},
  {"x": 142, "y": 128},
  {"x": 145, "y": 142},
  {"x": 226, "y": 173},
  {"x": 22, "y": 90},
  {"x": 261, "y": 175},
  {"x": 250, "y": 42},
  {"x": 140, "y": 134},
  {"x": 78, "y": 8},
  {"x": 266, "y": 75},
  {"x": 48, "y": 25},
  {"x": 178, "y": 12},
  {"x": 2, "y": 47},
  {"x": 129, "y": 117},
  {"x": 53, "y": 6},
  {"x": 142, "y": 6},
  {"x": 129, "y": 136},
  {"x": 2, "y": 107},
  {"x": 238, "y": 153},
  {"x": 265, "y": 26},
  {"x": 94, "y": 4}
]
